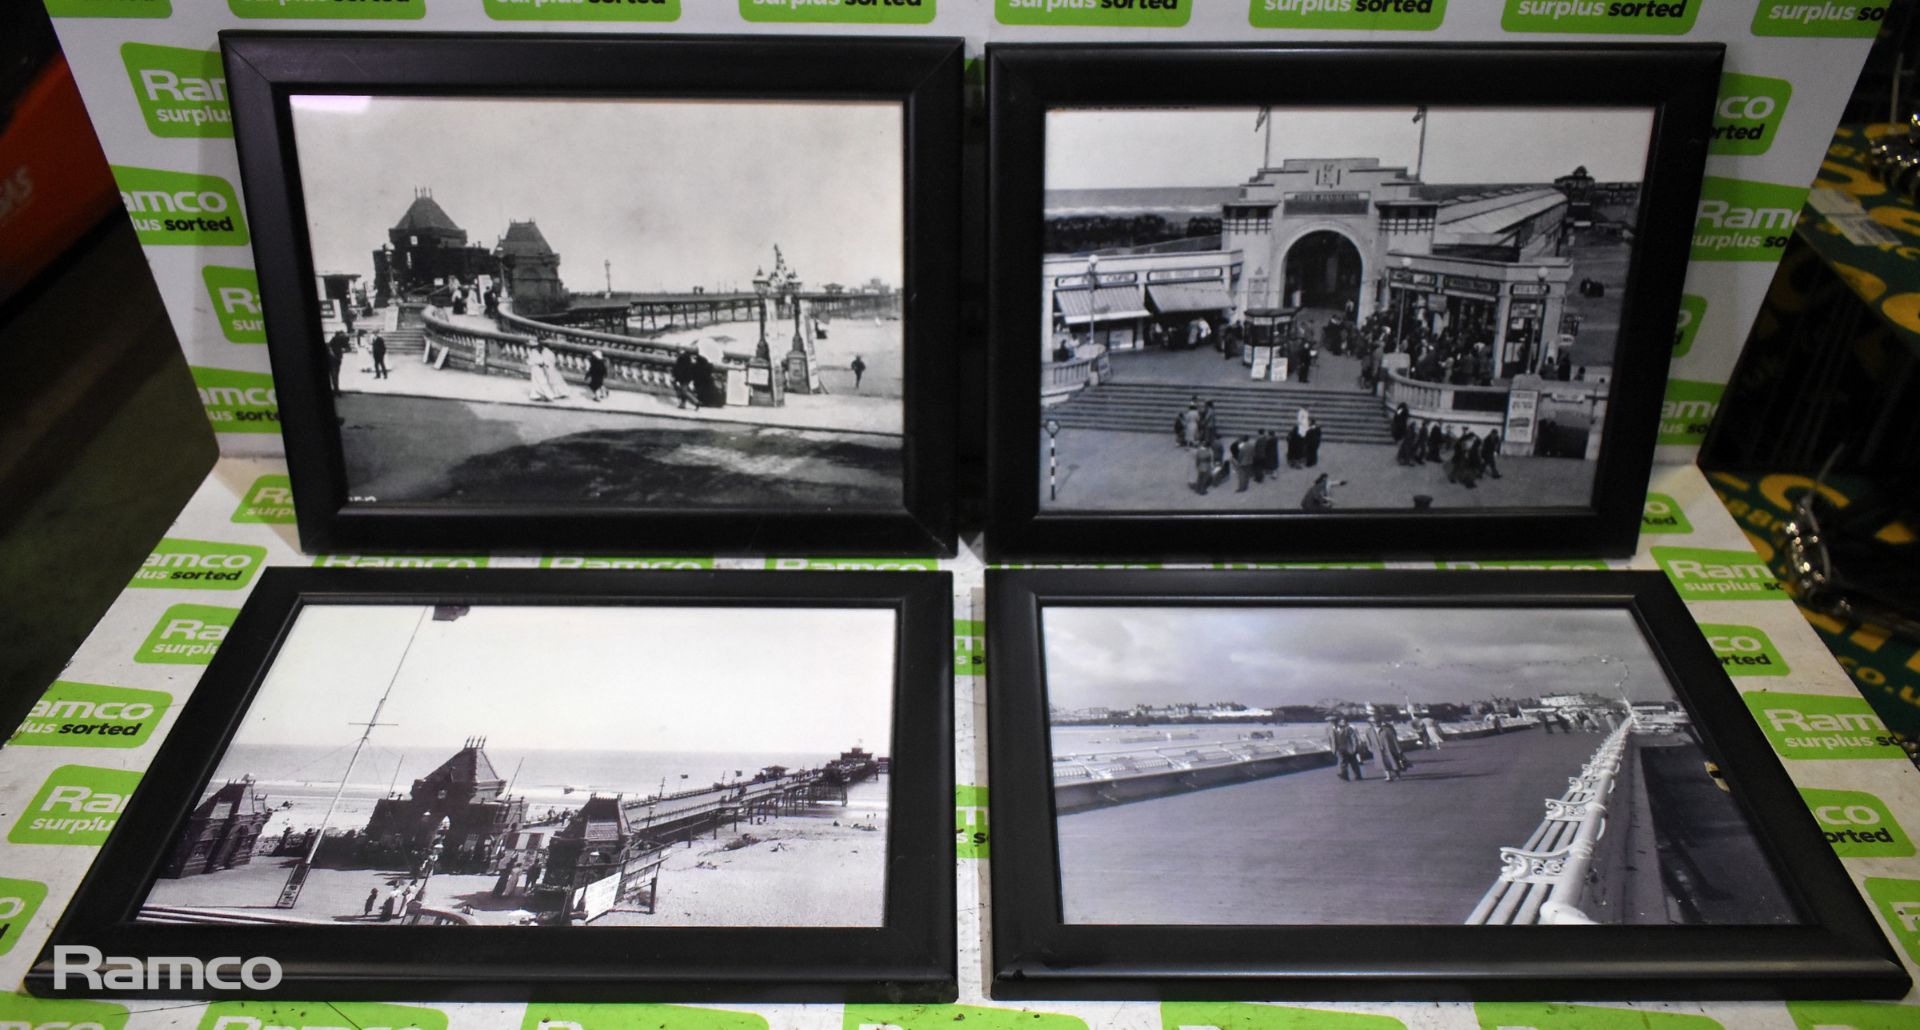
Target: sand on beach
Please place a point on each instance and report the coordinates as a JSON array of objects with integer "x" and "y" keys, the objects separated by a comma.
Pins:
[{"x": 823, "y": 867}]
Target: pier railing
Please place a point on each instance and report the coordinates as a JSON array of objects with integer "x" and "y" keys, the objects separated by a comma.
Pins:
[
  {"x": 1479, "y": 408},
  {"x": 635, "y": 365},
  {"x": 1089, "y": 366},
  {"x": 1544, "y": 880}
]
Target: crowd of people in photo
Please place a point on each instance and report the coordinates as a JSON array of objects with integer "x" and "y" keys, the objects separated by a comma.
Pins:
[
  {"x": 1251, "y": 458},
  {"x": 1465, "y": 454}
]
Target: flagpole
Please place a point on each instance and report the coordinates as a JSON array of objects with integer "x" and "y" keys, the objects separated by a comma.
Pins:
[{"x": 1420, "y": 161}]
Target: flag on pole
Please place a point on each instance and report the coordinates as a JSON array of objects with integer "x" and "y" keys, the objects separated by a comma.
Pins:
[
  {"x": 1421, "y": 114},
  {"x": 1262, "y": 119}
]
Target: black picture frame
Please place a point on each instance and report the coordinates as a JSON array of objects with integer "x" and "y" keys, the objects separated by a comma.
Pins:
[
  {"x": 1839, "y": 952},
  {"x": 1025, "y": 80},
  {"x": 923, "y": 75},
  {"x": 912, "y": 956}
]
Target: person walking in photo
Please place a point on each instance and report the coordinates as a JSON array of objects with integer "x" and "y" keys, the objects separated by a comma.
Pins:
[
  {"x": 1436, "y": 438},
  {"x": 379, "y": 349},
  {"x": 859, "y": 368},
  {"x": 1386, "y": 747},
  {"x": 1464, "y": 467},
  {"x": 1268, "y": 454},
  {"x": 1430, "y": 731},
  {"x": 366, "y": 910},
  {"x": 1310, "y": 438},
  {"x": 1344, "y": 742},
  {"x": 1186, "y": 425},
  {"x": 597, "y": 375},
  {"x": 1490, "y": 454},
  {"x": 1209, "y": 424}
]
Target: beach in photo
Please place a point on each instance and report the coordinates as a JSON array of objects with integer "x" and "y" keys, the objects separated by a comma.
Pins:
[{"x": 628, "y": 776}]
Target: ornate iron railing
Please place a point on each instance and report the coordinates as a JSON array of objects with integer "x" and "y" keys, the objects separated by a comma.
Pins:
[{"x": 1544, "y": 880}]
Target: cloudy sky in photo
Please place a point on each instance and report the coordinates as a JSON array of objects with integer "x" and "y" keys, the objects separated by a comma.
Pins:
[
  {"x": 1264, "y": 656},
  {"x": 1169, "y": 146},
  {"x": 615, "y": 678},
  {"x": 675, "y": 193}
]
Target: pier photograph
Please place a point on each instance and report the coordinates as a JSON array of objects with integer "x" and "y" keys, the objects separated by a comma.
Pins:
[
  {"x": 517, "y": 765},
  {"x": 692, "y": 304},
  {"x": 1314, "y": 308},
  {"x": 1309, "y": 765}
]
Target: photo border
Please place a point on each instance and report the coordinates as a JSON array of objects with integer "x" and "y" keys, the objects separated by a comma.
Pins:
[
  {"x": 923, "y": 75},
  {"x": 911, "y": 957},
  {"x": 1840, "y": 952},
  {"x": 1679, "y": 82}
]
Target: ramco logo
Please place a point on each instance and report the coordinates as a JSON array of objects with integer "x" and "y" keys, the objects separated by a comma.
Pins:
[
  {"x": 188, "y": 634},
  {"x": 160, "y": 972},
  {"x": 856, "y": 564},
  {"x": 20, "y": 1012},
  {"x": 345, "y": 1015},
  {"x": 396, "y": 561},
  {"x": 91, "y": 715},
  {"x": 181, "y": 208},
  {"x": 1821, "y": 19},
  {"x": 1641, "y": 17},
  {"x": 1686, "y": 413},
  {"x": 636, "y": 1017},
  {"x": 181, "y": 92},
  {"x": 388, "y": 10},
  {"x": 1857, "y": 824},
  {"x": 238, "y": 402},
  {"x": 568, "y": 562},
  {"x": 19, "y": 900},
  {"x": 1744, "y": 650},
  {"x": 896, "y": 12},
  {"x": 1693, "y": 311},
  {"x": 1819, "y": 726},
  {"x": 583, "y": 10},
  {"x": 78, "y": 804},
  {"x": 1739, "y": 220},
  {"x": 1371, "y": 15},
  {"x": 1748, "y": 114},
  {"x": 199, "y": 565},
  {"x": 235, "y": 293},
  {"x": 973, "y": 1017},
  {"x": 110, "y": 8},
  {"x": 1702, "y": 574},
  {"x": 269, "y": 499}
]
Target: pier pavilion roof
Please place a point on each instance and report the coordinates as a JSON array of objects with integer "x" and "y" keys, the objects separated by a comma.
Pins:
[
  {"x": 468, "y": 767},
  {"x": 523, "y": 239},
  {"x": 425, "y": 215}
]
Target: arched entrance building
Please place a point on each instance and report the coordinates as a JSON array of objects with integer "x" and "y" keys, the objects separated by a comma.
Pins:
[{"x": 1323, "y": 269}]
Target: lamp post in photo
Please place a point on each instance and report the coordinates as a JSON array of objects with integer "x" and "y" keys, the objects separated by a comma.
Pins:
[
  {"x": 1400, "y": 321},
  {"x": 764, "y": 387},
  {"x": 1053, "y": 459}
]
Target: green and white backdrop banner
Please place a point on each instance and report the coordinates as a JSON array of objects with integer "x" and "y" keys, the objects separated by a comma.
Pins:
[{"x": 152, "y": 87}]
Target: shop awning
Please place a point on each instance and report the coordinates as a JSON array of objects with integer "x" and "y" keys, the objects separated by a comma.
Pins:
[
  {"x": 1179, "y": 298},
  {"x": 1102, "y": 304}
]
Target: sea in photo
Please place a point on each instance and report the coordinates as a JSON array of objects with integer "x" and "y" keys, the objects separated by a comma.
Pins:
[{"x": 625, "y": 776}]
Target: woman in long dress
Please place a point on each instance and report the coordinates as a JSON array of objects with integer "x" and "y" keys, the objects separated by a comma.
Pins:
[{"x": 543, "y": 374}]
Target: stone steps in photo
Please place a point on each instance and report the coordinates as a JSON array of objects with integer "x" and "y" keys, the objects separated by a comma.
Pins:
[{"x": 1344, "y": 417}]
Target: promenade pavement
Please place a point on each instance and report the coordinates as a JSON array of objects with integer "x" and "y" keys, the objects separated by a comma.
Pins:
[{"x": 1310, "y": 848}]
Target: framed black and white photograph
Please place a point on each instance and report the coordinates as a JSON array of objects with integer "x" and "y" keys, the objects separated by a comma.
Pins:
[
  {"x": 507, "y": 782},
  {"x": 1359, "y": 300},
  {"x": 1394, "y": 784},
  {"x": 637, "y": 292}
]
